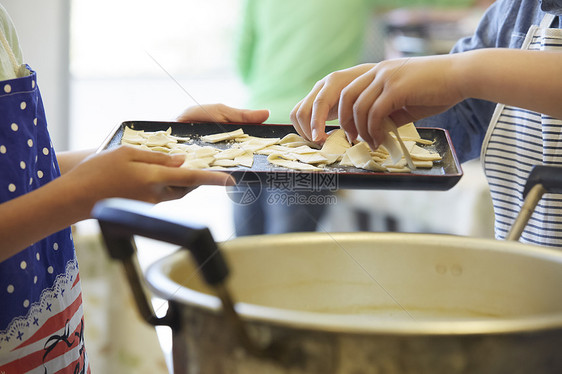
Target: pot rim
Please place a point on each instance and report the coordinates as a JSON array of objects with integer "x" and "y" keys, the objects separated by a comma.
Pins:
[{"x": 164, "y": 287}]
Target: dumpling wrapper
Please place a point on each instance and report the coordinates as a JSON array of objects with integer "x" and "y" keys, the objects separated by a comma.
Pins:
[{"x": 215, "y": 138}]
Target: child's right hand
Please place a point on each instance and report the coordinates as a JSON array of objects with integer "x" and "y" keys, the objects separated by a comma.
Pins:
[{"x": 138, "y": 174}]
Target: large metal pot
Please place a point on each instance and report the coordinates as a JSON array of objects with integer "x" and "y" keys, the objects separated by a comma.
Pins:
[{"x": 348, "y": 303}]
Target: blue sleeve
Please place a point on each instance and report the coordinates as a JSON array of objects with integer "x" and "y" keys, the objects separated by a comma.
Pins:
[{"x": 467, "y": 122}]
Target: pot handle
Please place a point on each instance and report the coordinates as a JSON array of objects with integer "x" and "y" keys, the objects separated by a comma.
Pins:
[
  {"x": 120, "y": 219},
  {"x": 542, "y": 179}
]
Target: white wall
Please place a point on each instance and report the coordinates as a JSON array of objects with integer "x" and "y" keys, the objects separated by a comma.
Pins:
[{"x": 43, "y": 29}]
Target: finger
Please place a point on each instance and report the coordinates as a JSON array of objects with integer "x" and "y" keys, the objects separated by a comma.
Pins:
[
  {"x": 348, "y": 97},
  {"x": 230, "y": 114},
  {"x": 181, "y": 177},
  {"x": 304, "y": 113},
  {"x": 253, "y": 116},
  {"x": 150, "y": 157},
  {"x": 362, "y": 112},
  {"x": 294, "y": 120},
  {"x": 379, "y": 114},
  {"x": 326, "y": 100}
]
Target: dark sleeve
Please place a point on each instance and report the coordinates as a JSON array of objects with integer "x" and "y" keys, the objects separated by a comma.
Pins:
[{"x": 467, "y": 122}]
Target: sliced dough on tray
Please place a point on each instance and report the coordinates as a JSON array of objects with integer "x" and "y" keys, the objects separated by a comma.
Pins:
[
  {"x": 215, "y": 138},
  {"x": 291, "y": 151},
  {"x": 279, "y": 160}
]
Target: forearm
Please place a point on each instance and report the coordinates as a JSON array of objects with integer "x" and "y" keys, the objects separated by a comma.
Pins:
[
  {"x": 36, "y": 215},
  {"x": 526, "y": 79},
  {"x": 68, "y": 159}
]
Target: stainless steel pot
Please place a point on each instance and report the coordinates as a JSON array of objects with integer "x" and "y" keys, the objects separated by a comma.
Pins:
[{"x": 348, "y": 303}]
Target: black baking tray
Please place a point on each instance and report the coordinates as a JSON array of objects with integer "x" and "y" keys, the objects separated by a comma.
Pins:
[{"x": 443, "y": 176}]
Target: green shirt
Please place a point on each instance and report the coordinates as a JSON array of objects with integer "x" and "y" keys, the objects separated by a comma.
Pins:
[
  {"x": 6, "y": 65},
  {"x": 286, "y": 46}
]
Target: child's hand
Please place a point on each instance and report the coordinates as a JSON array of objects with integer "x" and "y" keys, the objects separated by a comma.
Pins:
[
  {"x": 222, "y": 113},
  {"x": 364, "y": 97},
  {"x": 404, "y": 90},
  {"x": 310, "y": 115},
  {"x": 133, "y": 173}
]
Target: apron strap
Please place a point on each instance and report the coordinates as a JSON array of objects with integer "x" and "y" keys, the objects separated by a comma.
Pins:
[
  {"x": 10, "y": 52},
  {"x": 547, "y": 21}
]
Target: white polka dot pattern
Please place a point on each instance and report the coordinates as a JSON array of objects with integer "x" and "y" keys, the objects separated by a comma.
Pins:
[{"x": 27, "y": 161}]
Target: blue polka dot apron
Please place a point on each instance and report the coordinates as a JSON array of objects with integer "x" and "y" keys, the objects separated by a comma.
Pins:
[
  {"x": 41, "y": 317},
  {"x": 518, "y": 139}
]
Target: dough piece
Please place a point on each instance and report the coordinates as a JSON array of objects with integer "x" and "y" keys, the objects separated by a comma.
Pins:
[
  {"x": 409, "y": 131},
  {"x": 336, "y": 143},
  {"x": 403, "y": 169},
  {"x": 180, "y": 139},
  {"x": 202, "y": 152},
  {"x": 215, "y": 138},
  {"x": 310, "y": 158},
  {"x": 346, "y": 161},
  {"x": 295, "y": 140},
  {"x": 229, "y": 154},
  {"x": 359, "y": 154},
  {"x": 158, "y": 149},
  {"x": 423, "y": 164},
  {"x": 422, "y": 154},
  {"x": 360, "y": 157},
  {"x": 273, "y": 149},
  {"x": 245, "y": 159},
  {"x": 158, "y": 139},
  {"x": 225, "y": 163},
  {"x": 197, "y": 163},
  {"x": 131, "y": 136},
  {"x": 279, "y": 160},
  {"x": 304, "y": 149},
  {"x": 256, "y": 144}
]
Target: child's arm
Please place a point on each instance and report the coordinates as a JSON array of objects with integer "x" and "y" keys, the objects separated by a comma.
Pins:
[
  {"x": 410, "y": 89},
  {"x": 123, "y": 172}
]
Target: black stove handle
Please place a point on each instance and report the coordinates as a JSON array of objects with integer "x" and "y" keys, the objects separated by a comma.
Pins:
[
  {"x": 121, "y": 219},
  {"x": 541, "y": 180},
  {"x": 550, "y": 177}
]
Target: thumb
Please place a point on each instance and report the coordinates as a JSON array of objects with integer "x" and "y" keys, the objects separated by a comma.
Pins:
[{"x": 254, "y": 116}]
